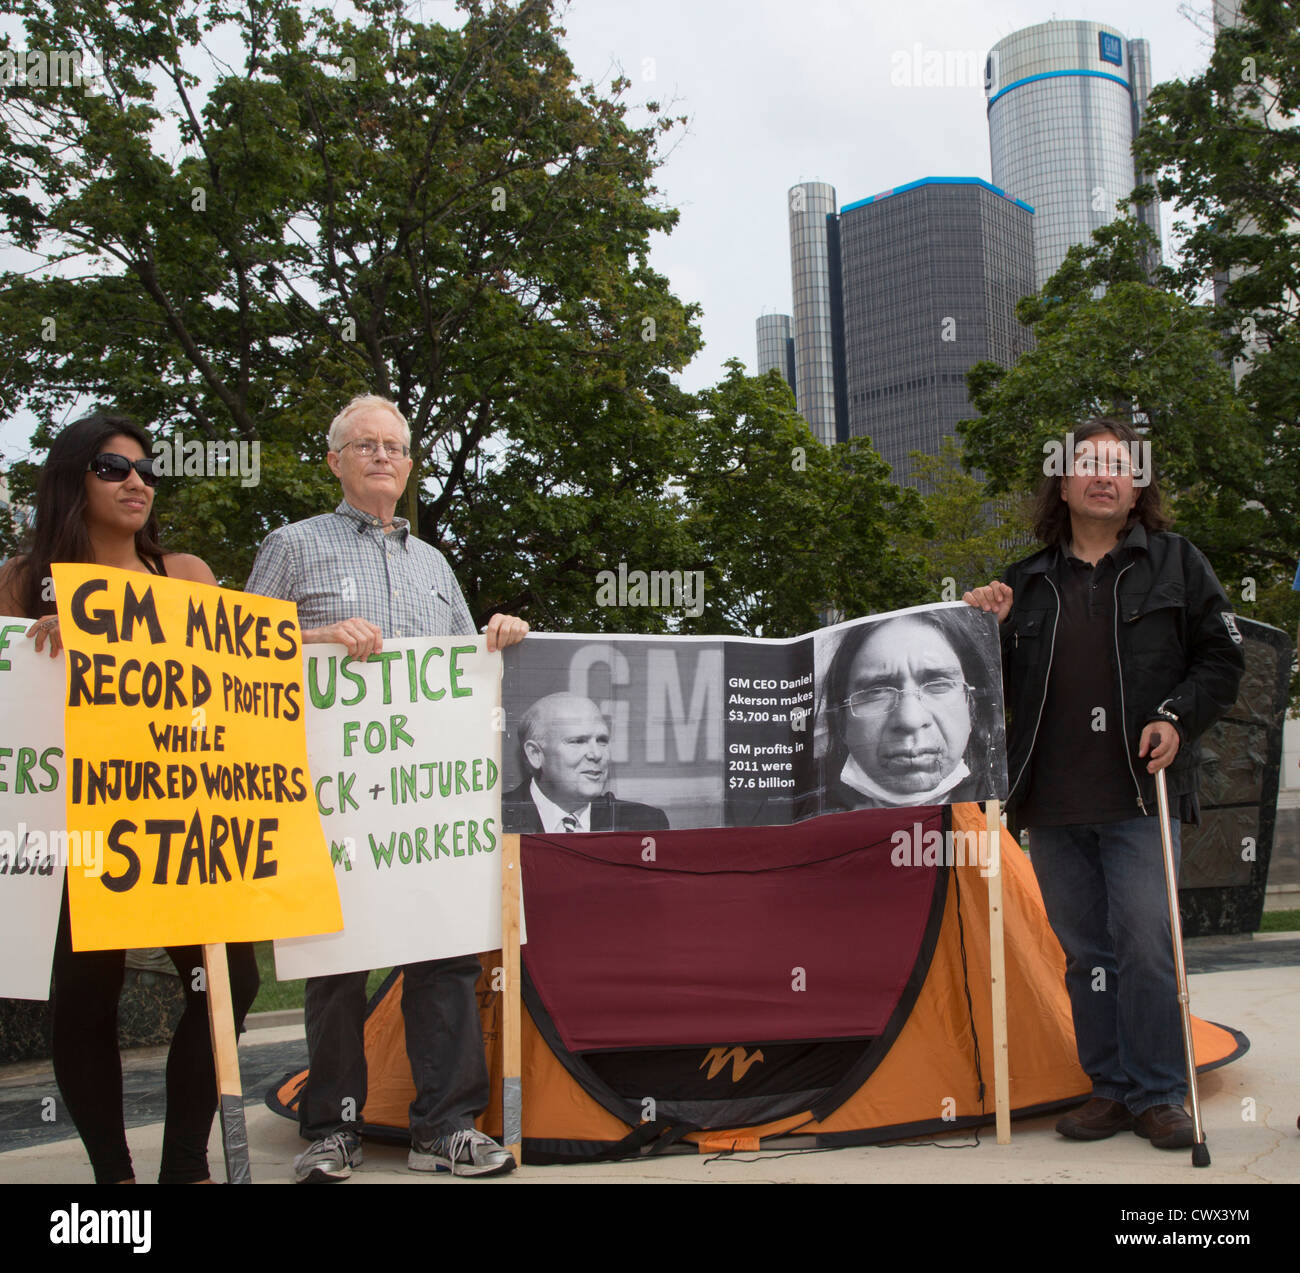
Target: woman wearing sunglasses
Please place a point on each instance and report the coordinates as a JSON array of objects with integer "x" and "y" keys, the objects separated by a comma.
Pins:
[{"x": 95, "y": 504}]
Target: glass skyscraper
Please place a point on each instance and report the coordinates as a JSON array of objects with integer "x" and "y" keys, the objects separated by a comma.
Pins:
[
  {"x": 775, "y": 335},
  {"x": 931, "y": 273},
  {"x": 812, "y": 210},
  {"x": 896, "y": 297},
  {"x": 1065, "y": 100}
]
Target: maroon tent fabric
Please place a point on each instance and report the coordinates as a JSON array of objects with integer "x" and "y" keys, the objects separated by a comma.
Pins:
[{"x": 773, "y": 934}]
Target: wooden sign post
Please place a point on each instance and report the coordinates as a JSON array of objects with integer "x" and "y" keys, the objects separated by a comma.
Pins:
[
  {"x": 512, "y": 1113},
  {"x": 998, "y": 973},
  {"x": 230, "y": 1096}
]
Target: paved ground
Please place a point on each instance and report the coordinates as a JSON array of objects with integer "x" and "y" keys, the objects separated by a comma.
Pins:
[{"x": 1250, "y": 1109}]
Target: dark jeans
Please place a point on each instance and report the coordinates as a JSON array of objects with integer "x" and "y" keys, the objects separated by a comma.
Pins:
[
  {"x": 88, "y": 1066},
  {"x": 1104, "y": 889},
  {"x": 444, "y": 1043}
]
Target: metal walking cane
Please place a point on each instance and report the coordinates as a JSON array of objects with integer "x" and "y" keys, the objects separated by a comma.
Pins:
[{"x": 1200, "y": 1151}]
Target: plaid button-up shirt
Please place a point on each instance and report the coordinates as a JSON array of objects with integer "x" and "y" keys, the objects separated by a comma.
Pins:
[{"x": 341, "y": 565}]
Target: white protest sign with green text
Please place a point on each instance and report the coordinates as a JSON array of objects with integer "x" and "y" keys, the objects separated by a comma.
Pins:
[
  {"x": 34, "y": 847},
  {"x": 404, "y": 751}
]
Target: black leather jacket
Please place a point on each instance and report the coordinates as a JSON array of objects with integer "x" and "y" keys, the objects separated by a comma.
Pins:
[{"x": 1176, "y": 645}]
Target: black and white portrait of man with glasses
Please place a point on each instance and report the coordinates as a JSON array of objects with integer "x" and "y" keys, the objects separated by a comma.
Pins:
[{"x": 910, "y": 713}]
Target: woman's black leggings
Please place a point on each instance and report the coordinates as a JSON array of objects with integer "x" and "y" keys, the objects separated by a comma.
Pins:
[{"x": 88, "y": 1067}]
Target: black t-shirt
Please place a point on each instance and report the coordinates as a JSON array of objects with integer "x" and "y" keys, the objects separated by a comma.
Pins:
[{"x": 1079, "y": 771}]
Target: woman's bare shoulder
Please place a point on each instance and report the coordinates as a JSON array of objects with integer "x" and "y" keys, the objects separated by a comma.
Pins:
[{"x": 188, "y": 566}]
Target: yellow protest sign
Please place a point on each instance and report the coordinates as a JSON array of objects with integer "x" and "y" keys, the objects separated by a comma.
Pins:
[{"x": 186, "y": 755}]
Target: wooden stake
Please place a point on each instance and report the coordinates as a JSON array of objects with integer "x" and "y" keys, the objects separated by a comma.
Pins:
[
  {"x": 998, "y": 973},
  {"x": 225, "y": 1056},
  {"x": 512, "y": 1112}
]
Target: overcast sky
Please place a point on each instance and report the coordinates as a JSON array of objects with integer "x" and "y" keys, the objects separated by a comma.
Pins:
[{"x": 782, "y": 91}]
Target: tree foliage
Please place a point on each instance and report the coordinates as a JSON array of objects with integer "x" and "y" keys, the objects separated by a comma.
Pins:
[
  {"x": 1225, "y": 147},
  {"x": 788, "y": 528},
  {"x": 970, "y": 538},
  {"x": 1109, "y": 342},
  {"x": 1132, "y": 348},
  {"x": 447, "y": 217}
]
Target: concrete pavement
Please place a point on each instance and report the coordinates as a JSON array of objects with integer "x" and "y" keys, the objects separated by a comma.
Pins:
[{"x": 1250, "y": 1109}]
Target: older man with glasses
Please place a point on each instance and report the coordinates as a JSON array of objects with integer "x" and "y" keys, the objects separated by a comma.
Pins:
[{"x": 359, "y": 575}]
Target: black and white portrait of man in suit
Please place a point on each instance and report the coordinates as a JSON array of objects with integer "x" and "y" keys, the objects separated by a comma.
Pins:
[{"x": 564, "y": 746}]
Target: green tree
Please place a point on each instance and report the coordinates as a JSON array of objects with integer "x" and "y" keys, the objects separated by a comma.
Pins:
[
  {"x": 1225, "y": 147},
  {"x": 1106, "y": 340},
  {"x": 788, "y": 528},
  {"x": 972, "y": 538},
  {"x": 446, "y": 217},
  {"x": 1133, "y": 349}
]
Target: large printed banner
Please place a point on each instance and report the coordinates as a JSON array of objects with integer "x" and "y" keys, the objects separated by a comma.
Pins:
[
  {"x": 637, "y": 733},
  {"x": 185, "y": 757},
  {"x": 406, "y": 752},
  {"x": 34, "y": 844},
  {"x": 185, "y": 727}
]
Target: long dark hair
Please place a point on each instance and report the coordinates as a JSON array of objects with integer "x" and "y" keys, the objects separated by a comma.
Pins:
[
  {"x": 1052, "y": 513},
  {"x": 59, "y": 533},
  {"x": 982, "y": 671}
]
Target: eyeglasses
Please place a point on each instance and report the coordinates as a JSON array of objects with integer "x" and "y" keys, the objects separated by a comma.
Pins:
[
  {"x": 1090, "y": 466},
  {"x": 881, "y": 700},
  {"x": 111, "y": 467},
  {"x": 367, "y": 449}
]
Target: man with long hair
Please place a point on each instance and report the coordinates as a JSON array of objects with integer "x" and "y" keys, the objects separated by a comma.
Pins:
[
  {"x": 906, "y": 715},
  {"x": 1119, "y": 650}
]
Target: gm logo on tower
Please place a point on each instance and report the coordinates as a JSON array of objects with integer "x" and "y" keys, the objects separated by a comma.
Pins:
[{"x": 1112, "y": 48}]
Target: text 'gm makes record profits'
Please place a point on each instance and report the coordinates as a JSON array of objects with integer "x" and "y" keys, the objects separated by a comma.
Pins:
[{"x": 185, "y": 751}]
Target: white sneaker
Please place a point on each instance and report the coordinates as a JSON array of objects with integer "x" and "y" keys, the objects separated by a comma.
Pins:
[
  {"x": 463, "y": 1153},
  {"x": 328, "y": 1160}
]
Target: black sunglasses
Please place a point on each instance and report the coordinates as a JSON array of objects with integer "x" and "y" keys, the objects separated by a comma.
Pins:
[{"x": 111, "y": 467}]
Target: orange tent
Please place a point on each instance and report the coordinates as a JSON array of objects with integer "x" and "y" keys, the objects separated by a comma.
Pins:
[{"x": 928, "y": 1070}]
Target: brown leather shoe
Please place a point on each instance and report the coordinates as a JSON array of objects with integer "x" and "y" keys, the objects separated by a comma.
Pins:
[
  {"x": 1166, "y": 1126},
  {"x": 1096, "y": 1120}
]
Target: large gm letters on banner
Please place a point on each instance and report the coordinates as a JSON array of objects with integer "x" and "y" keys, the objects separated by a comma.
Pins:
[
  {"x": 637, "y": 733},
  {"x": 185, "y": 753},
  {"x": 186, "y": 712},
  {"x": 405, "y": 750},
  {"x": 34, "y": 844}
]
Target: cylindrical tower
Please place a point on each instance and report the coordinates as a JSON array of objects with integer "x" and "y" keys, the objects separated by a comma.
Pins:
[
  {"x": 1140, "y": 79},
  {"x": 1064, "y": 103},
  {"x": 776, "y": 346},
  {"x": 811, "y": 203}
]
